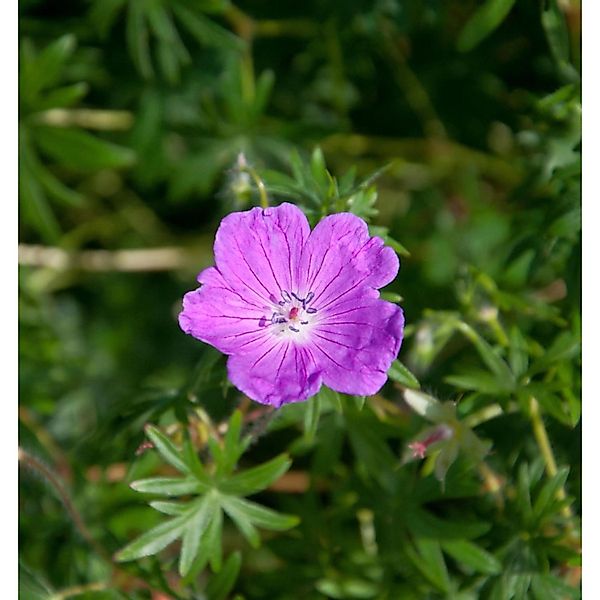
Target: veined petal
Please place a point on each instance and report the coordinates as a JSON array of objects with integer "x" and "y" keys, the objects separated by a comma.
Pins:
[
  {"x": 280, "y": 373},
  {"x": 258, "y": 251},
  {"x": 227, "y": 319},
  {"x": 340, "y": 256},
  {"x": 356, "y": 342}
]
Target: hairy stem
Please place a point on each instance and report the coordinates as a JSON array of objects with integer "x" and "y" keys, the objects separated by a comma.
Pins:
[{"x": 33, "y": 463}]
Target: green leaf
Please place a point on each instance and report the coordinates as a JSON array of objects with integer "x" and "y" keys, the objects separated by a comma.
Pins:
[
  {"x": 482, "y": 22},
  {"x": 550, "y": 587},
  {"x": 547, "y": 497},
  {"x": 264, "y": 86},
  {"x": 206, "y": 31},
  {"x": 400, "y": 374},
  {"x": 330, "y": 399},
  {"x": 32, "y": 586},
  {"x": 104, "y": 13},
  {"x": 518, "y": 355},
  {"x": 153, "y": 541},
  {"x": 168, "y": 486},
  {"x": 480, "y": 381},
  {"x": 422, "y": 523},
  {"x": 311, "y": 417},
  {"x": 318, "y": 168},
  {"x": 50, "y": 62},
  {"x": 190, "y": 457},
  {"x": 258, "y": 478},
  {"x": 203, "y": 512},
  {"x": 222, "y": 583},
  {"x": 233, "y": 446},
  {"x": 166, "y": 448},
  {"x": 55, "y": 188},
  {"x": 212, "y": 541},
  {"x": 556, "y": 29},
  {"x": 488, "y": 355},
  {"x": 82, "y": 151},
  {"x": 242, "y": 522},
  {"x": 259, "y": 515},
  {"x": 430, "y": 562},
  {"x": 35, "y": 209},
  {"x": 137, "y": 39},
  {"x": 63, "y": 97},
  {"x": 564, "y": 347},
  {"x": 473, "y": 556},
  {"x": 169, "y": 508}
]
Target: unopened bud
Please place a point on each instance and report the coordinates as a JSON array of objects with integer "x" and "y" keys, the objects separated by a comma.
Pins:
[{"x": 419, "y": 447}]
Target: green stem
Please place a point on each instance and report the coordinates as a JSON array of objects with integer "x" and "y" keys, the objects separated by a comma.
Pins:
[
  {"x": 260, "y": 184},
  {"x": 543, "y": 442}
]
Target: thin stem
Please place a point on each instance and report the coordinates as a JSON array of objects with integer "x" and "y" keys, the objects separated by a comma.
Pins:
[
  {"x": 415, "y": 93},
  {"x": 260, "y": 184},
  {"x": 139, "y": 259},
  {"x": 33, "y": 463},
  {"x": 543, "y": 442},
  {"x": 485, "y": 414},
  {"x": 106, "y": 120},
  {"x": 77, "y": 590}
]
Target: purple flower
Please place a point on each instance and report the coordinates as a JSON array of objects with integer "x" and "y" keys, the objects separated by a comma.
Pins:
[{"x": 295, "y": 309}]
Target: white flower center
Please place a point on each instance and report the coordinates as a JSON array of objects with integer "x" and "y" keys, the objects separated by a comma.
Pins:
[{"x": 293, "y": 316}]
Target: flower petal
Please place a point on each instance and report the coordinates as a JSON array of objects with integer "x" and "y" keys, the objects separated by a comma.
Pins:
[
  {"x": 225, "y": 318},
  {"x": 258, "y": 251},
  {"x": 283, "y": 372},
  {"x": 340, "y": 256},
  {"x": 356, "y": 342}
]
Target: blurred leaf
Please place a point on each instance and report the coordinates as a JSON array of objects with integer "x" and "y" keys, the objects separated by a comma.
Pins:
[
  {"x": 550, "y": 587},
  {"x": 482, "y": 22},
  {"x": 206, "y": 31},
  {"x": 221, "y": 584},
  {"x": 481, "y": 381},
  {"x": 489, "y": 356},
  {"x": 473, "y": 556},
  {"x": 430, "y": 561},
  {"x": 557, "y": 34},
  {"x": 42, "y": 71},
  {"x": 82, "y": 151}
]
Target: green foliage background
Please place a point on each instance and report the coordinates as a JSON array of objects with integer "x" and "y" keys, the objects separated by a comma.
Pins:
[{"x": 453, "y": 127}]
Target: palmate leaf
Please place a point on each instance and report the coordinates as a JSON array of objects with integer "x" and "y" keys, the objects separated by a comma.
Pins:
[
  {"x": 151, "y": 26},
  {"x": 82, "y": 151},
  {"x": 215, "y": 491}
]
